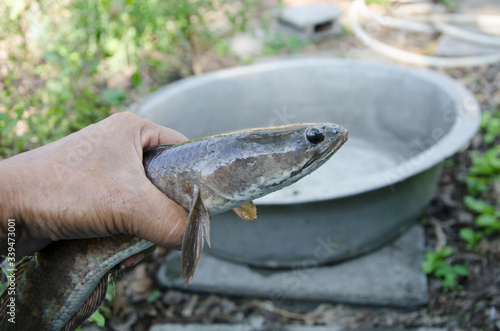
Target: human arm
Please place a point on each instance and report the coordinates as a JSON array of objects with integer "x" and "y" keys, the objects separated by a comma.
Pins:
[{"x": 89, "y": 184}]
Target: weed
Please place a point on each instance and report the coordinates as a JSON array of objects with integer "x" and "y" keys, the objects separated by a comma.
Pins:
[
  {"x": 281, "y": 43},
  {"x": 484, "y": 172},
  {"x": 490, "y": 126},
  {"x": 450, "y": 4},
  {"x": 471, "y": 237},
  {"x": 435, "y": 264},
  {"x": 70, "y": 64}
]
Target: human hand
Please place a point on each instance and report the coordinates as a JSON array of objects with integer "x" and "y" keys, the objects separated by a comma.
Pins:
[{"x": 89, "y": 184}]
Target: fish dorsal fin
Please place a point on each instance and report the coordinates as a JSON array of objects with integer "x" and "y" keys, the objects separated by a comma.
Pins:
[
  {"x": 153, "y": 152},
  {"x": 158, "y": 148},
  {"x": 247, "y": 211},
  {"x": 197, "y": 227},
  {"x": 89, "y": 306}
]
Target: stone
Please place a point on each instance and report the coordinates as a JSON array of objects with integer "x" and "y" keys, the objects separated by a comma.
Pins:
[
  {"x": 245, "y": 45},
  {"x": 390, "y": 276},
  {"x": 311, "y": 21}
]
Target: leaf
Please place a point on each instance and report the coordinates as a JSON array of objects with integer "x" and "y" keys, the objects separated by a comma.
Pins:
[
  {"x": 429, "y": 264},
  {"x": 7, "y": 128},
  {"x": 98, "y": 319},
  {"x": 467, "y": 234},
  {"x": 488, "y": 164},
  {"x": 477, "y": 184},
  {"x": 461, "y": 270},
  {"x": 488, "y": 221},
  {"x": 154, "y": 296},
  {"x": 478, "y": 205},
  {"x": 485, "y": 119},
  {"x": 113, "y": 96},
  {"x": 446, "y": 251}
]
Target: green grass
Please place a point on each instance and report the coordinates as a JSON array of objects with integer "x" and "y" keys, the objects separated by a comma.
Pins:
[{"x": 70, "y": 64}]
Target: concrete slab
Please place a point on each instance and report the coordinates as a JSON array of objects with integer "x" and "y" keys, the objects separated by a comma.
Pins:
[
  {"x": 315, "y": 20},
  {"x": 390, "y": 276}
]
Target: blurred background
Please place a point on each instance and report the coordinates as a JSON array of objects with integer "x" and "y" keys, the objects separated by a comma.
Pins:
[{"x": 65, "y": 64}]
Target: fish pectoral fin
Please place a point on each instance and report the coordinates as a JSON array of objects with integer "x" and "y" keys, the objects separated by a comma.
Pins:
[
  {"x": 197, "y": 227},
  {"x": 247, "y": 211}
]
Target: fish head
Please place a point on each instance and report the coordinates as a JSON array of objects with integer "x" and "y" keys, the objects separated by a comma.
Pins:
[
  {"x": 269, "y": 159},
  {"x": 319, "y": 142},
  {"x": 303, "y": 148}
]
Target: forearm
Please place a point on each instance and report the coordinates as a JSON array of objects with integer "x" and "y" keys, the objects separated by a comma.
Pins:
[
  {"x": 8, "y": 194},
  {"x": 12, "y": 218}
]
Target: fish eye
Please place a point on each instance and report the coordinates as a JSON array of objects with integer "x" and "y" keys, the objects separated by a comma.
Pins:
[{"x": 314, "y": 135}]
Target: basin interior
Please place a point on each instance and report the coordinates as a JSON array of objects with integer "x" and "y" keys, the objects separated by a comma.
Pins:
[{"x": 393, "y": 114}]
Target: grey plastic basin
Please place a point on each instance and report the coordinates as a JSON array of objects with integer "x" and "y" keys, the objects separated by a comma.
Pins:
[{"x": 402, "y": 124}]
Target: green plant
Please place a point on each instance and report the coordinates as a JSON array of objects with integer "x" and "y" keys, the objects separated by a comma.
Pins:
[
  {"x": 471, "y": 237},
  {"x": 68, "y": 64},
  {"x": 484, "y": 172},
  {"x": 5, "y": 272},
  {"x": 436, "y": 264},
  {"x": 98, "y": 319},
  {"x": 280, "y": 43},
  {"x": 488, "y": 164},
  {"x": 485, "y": 168},
  {"x": 154, "y": 296},
  {"x": 490, "y": 126},
  {"x": 378, "y": 2},
  {"x": 451, "y": 4},
  {"x": 488, "y": 216}
]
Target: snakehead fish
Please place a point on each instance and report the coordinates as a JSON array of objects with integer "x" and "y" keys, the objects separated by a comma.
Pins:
[{"x": 62, "y": 285}]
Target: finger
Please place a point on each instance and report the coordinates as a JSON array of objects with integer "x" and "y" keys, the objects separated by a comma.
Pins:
[
  {"x": 136, "y": 258},
  {"x": 160, "y": 219},
  {"x": 153, "y": 134}
]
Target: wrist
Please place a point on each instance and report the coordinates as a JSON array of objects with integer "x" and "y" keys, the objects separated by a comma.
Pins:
[
  {"x": 9, "y": 201},
  {"x": 9, "y": 192}
]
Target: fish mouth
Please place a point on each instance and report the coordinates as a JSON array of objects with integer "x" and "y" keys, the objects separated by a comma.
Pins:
[
  {"x": 328, "y": 151},
  {"x": 341, "y": 141}
]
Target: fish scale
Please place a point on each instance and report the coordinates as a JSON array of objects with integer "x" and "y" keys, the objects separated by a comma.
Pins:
[{"x": 63, "y": 284}]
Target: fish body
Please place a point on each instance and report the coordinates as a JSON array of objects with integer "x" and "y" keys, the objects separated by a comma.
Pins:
[
  {"x": 237, "y": 167},
  {"x": 60, "y": 286}
]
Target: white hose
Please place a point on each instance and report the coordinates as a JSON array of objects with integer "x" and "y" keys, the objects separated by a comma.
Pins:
[
  {"x": 466, "y": 35},
  {"x": 438, "y": 23},
  {"x": 396, "y": 23},
  {"x": 408, "y": 57}
]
